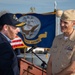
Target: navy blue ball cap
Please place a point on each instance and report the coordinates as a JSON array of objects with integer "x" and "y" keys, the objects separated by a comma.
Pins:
[{"x": 10, "y": 19}]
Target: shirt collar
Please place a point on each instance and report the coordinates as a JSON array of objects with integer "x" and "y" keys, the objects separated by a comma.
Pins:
[
  {"x": 72, "y": 36},
  {"x": 6, "y": 37}
]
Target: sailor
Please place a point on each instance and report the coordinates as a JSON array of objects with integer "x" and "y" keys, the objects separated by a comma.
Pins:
[
  {"x": 62, "y": 52},
  {"x": 8, "y": 31}
]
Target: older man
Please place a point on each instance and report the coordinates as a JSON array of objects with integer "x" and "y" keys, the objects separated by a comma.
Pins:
[{"x": 62, "y": 59}]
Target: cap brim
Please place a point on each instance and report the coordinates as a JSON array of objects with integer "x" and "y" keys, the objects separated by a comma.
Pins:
[{"x": 20, "y": 24}]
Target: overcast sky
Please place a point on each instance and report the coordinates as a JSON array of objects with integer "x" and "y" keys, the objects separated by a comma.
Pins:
[{"x": 41, "y": 6}]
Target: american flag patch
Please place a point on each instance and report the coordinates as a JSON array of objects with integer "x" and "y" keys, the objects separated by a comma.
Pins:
[{"x": 17, "y": 43}]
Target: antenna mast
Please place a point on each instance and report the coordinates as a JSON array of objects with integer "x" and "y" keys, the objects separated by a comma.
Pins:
[
  {"x": 32, "y": 9},
  {"x": 55, "y": 6}
]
